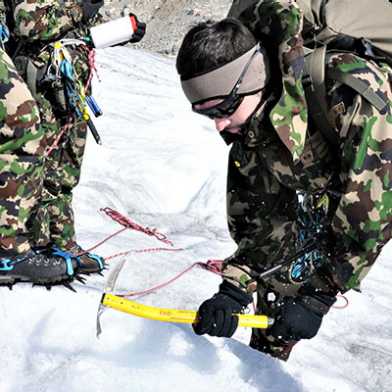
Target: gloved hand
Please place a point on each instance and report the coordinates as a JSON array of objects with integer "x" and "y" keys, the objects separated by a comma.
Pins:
[
  {"x": 91, "y": 8},
  {"x": 138, "y": 27},
  {"x": 300, "y": 317},
  {"x": 215, "y": 316}
]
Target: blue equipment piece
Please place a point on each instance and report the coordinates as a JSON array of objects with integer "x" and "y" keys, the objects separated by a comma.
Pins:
[
  {"x": 67, "y": 257},
  {"x": 92, "y": 104},
  {"x": 311, "y": 224},
  {"x": 4, "y": 33}
]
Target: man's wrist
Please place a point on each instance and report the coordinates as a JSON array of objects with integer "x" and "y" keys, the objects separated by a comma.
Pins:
[{"x": 236, "y": 293}]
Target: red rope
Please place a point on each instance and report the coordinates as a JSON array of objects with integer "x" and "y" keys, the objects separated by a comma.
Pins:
[
  {"x": 211, "y": 265},
  {"x": 104, "y": 240},
  {"x": 91, "y": 66},
  {"x": 342, "y": 306},
  {"x": 126, "y": 222},
  {"x": 143, "y": 251},
  {"x": 214, "y": 266},
  {"x": 66, "y": 127}
]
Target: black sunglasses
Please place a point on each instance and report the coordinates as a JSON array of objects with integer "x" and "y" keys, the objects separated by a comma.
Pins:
[{"x": 230, "y": 102}]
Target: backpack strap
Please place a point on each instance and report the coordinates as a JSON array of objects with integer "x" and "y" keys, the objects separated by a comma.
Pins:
[
  {"x": 31, "y": 77},
  {"x": 318, "y": 9},
  {"x": 316, "y": 94},
  {"x": 360, "y": 87},
  {"x": 314, "y": 12}
]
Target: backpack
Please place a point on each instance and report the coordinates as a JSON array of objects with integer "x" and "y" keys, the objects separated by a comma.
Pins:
[
  {"x": 363, "y": 27},
  {"x": 326, "y": 21}
]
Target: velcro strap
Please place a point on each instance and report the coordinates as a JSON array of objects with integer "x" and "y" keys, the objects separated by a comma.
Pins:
[{"x": 319, "y": 304}]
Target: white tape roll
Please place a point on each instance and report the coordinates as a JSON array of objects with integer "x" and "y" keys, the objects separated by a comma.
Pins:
[{"x": 112, "y": 33}]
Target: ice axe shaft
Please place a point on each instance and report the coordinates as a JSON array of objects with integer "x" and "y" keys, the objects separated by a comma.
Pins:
[{"x": 175, "y": 315}]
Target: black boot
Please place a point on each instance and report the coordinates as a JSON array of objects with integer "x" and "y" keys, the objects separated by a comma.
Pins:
[{"x": 36, "y": 266}]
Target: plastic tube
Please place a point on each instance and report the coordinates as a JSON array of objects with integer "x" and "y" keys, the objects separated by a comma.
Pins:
[{"x": 113, "y": 33}]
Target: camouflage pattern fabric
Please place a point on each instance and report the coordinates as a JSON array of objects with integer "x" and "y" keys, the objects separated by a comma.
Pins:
[
  {"x": 63, "y": 168},
  {"x": 22, "y": 144},
  {"x": 281, "y": 21},
  {"x": 282, "y": 152},
  {"x": 45, "y": 20},
  {"x": 41, "y": 22}
]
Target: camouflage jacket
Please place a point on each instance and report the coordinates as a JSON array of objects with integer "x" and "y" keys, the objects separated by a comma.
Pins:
[
  {"x": 281, "y": 152},
  {"x": 38, "y": 23},
  {"x": 45, "y": 20}
]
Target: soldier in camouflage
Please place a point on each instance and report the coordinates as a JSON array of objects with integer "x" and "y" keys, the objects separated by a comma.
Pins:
[
  {"x": 35, "y": 26},
  {"x": 22, "y": 144},
  {"x": 253, "y": 89}
]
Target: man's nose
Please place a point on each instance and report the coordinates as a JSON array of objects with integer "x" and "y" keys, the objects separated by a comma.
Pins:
[{"x": 221, "y": 123}]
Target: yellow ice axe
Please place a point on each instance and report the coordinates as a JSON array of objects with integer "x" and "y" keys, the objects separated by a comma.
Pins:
[{"x": 175, "y": 315}]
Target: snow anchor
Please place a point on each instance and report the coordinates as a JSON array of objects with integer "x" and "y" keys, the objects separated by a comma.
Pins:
[{"x": 174, "y": 315}]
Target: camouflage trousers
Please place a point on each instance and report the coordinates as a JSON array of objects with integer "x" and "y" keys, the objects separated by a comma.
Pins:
[
  {"x": 268, "y": 303},
  {"x": 35, "y": 187},
  {"x": 54, "y": 218},
  {"x": 22, "y": 144}
]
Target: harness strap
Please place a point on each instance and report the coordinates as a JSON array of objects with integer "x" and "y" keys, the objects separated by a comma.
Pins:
[
  {"x": 31, "y": 77},
  {"x": 318, "y": 9}
]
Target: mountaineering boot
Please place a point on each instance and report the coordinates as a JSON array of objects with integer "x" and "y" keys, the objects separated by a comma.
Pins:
[
  {"x": 87, "y": 263},
  {"x": 38, "y": 266}
]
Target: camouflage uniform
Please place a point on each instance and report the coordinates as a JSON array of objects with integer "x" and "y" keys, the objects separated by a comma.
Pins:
[
  {"x": 282, "y": 152},
  {"x": 22, "y": 143},
  {"x": 38, "y": 23}
]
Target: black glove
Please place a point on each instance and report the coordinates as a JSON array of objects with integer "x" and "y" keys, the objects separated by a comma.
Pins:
[
  {"x": 215, "y": 316},
  {"x": 91, "y": 8},
  {"x": 139, "y": 28},
  {"x": 300, "y": 318}
]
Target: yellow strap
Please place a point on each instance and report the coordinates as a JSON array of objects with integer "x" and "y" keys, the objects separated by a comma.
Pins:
[{"x": 174, "y": 315}]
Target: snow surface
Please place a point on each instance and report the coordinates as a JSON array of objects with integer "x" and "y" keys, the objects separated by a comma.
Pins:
[{"x": 165, "y": 167}]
